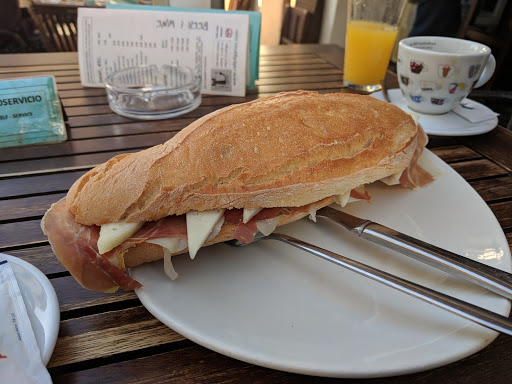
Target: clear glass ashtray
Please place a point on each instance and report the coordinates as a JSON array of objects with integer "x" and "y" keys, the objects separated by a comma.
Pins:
[{"x": 152, "y": 93}]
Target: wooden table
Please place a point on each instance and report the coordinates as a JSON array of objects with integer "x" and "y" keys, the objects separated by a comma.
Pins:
[{"x": 112, "y": 338}]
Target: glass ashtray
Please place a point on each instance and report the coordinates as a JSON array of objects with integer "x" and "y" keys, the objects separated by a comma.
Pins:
[{"x": 152, "y": 93}]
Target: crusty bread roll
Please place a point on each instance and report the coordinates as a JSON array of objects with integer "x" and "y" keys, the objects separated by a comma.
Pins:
[
  {"x": 296, "y": 149},
  {"x": 290, "y": 149}
]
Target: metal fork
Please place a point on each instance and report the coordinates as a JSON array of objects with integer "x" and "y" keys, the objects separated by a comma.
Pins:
[{"x": 459, "y": 307}]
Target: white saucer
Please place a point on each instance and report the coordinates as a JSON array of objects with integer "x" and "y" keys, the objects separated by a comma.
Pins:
[
  {"x": 41, "y": 303},
  {"x": 448, "y": 124}
]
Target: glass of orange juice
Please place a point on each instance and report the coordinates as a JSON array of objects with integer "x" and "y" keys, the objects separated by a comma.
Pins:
[{"x": 372, "y": 27}]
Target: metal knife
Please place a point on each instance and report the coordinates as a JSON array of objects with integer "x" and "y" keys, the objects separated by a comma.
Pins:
[{"x": 483, "y": 275}]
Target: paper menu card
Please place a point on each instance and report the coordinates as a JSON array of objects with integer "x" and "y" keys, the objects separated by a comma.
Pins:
[
  {"x": 254, "y": 30},
  {"x": 216, "y": 45}
]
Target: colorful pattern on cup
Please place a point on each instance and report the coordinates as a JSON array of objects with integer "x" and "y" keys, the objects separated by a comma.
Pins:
[
  {"x": 456, "y": 87},
  {"x": 417, "y": 66},
  {"x": 473, "y": 70},
  {"x": 416, "y": 99},
  {"x": 429, "y": 86},
  {"x": 437, "y": 100},
  {"x": 405, "y": 80},
  {"x": 446, "y": 70}
]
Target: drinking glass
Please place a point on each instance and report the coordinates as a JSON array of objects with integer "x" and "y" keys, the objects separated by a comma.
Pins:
[{"x": 372, "y": 28}]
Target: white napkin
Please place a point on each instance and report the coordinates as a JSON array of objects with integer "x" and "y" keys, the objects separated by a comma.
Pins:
[
  {"x": 474, "y": 112},
  {"x": 20, "y": 358}
]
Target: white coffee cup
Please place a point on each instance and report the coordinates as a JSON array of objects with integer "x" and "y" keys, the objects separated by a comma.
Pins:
[{"x": 435, "y": 73}]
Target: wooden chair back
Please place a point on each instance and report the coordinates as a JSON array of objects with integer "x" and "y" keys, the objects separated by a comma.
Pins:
[
  {"x": 498, "y": 37},
  {"x": 302, "y": 23},
  {"x": 295, "y": 21},
  {"x": 57, "y": 25}
]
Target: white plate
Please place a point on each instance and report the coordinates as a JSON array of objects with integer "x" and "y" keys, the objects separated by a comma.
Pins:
[
  {"x": 448, "y": 124},
  {"x": 41, "y": 303},
  {"x": 272, "y": 305}
]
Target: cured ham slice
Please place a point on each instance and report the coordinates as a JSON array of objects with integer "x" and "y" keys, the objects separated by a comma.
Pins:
[
  {"x": 415, "y": 175},
  {"x": 76, "y": 247},
  {"x": 245, "y": 232},
  {"x": 170, "y": 226},
  {"x": 360, "y": 193}
]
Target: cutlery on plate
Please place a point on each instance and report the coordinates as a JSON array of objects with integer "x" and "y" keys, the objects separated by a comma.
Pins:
[
  {"x": 459, "y": 307},
  {"x": 493, "y": 279}
]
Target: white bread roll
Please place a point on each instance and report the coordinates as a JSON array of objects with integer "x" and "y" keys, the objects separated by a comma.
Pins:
[{"x": 286, "y": 150}]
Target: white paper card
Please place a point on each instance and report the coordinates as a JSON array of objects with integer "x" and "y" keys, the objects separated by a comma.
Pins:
[
  {"x": 474, "y": 112},
  {"x": 215, "y": 44}
]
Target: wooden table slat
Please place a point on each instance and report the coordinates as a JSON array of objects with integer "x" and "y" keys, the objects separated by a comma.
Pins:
[
  {"x": 104, "y": 335},
  {"x": 42, "y": 257},
  {"x": 93, "y": 145},
  {"x": 30, "y": 185},
  {"x": 475, "y": 169},
  {"x": 294, "y": 67},
  {"x": 58, "y": 164},
  {"x": 73, "y": 297},
  {"x": 21, "y": 233},
  {"x": 27, "y": 206},
  {"x": 199, "y": 365},
  {"x": 494, "y": 189}
]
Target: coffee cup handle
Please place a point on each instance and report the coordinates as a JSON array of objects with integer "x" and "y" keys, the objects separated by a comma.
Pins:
[{"x": 487, "y": 72}]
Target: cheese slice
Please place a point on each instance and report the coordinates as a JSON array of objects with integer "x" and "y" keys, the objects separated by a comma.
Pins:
[
  {"x": 170, "y": 245},
  {"x": 267, "y": 226},
  {"x": 250, "y": 213},
  {"x": 173, "y": 244},
  {"x": 312, "y": 213},
  {"x": 199, "y": 227},
  {"x": 168, "y": 267},
  {"x": 392, "y": 179},
  {"x": 113, "y": 234},
  {"x": 344, "y": 199}
]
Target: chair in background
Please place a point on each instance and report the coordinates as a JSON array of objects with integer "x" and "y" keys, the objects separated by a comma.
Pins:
[
  {"x": 302, "y": 23},
  {"x": 57, "y": 25},
  {"x": 493, "y": 27},
  {"x": 11, "y": 42},
  {"x": 294, "y": 25},
  {"x": 239, "y": 5},
  {"x": 16, "y": 28},
  {"x": 490, "y": 23}
]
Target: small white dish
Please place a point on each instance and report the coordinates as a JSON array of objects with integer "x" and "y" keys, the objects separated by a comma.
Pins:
[
  {"x": 448, "y": 124},
  {"x": 41, "y": 302},
  {"x": 272, "y": 305}
]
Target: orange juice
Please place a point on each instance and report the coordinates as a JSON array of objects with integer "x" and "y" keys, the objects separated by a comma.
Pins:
[{"x": 368, "y": 48}]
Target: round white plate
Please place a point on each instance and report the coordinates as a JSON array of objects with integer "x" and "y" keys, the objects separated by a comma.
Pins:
[
  {"x": 448, "y": 124},
  {"x": 273, "y": 305},
  {"x": 41, "y": 303}
]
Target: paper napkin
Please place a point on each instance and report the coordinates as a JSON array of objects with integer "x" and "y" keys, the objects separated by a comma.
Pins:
[
  {"x": 474, "y": 112},
  {"x": 20, "y": 357}
]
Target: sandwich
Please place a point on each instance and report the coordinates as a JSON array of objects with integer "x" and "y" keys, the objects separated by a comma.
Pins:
[{"x": 239, "y": 170}]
